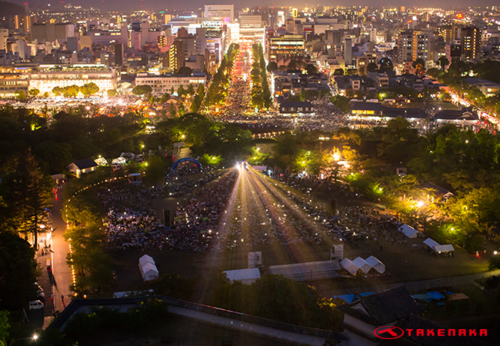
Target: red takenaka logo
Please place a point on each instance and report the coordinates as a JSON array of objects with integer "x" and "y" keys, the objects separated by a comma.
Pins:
[
  {"x": 393, "y": 332},
  {"x": 389, "y": 332}
]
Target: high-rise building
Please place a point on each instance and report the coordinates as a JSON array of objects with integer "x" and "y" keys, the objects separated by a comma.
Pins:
[
  {"x": 176, "y": 55},
  {"x": 4, "y": 35},
  {"x": 119, "y": 53},
  {"x": 470, "y": 43},
  {"x": 290, "y": 25},
  {"x": 405, "y": 46},
  {"x": 420, "y": 46},
  {"x": 295, "y": 13},
  {"x": 348, "y": 51}
]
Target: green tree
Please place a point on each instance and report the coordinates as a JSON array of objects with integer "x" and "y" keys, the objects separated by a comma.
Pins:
[
  {"x": 386, "y": 64},
  {"x": 18, "y": 270},
  {"x": 112, "y": 92},
  {"x": 70, "y": 91},
  {"x": 89, "y": 89},
  {"x": 164, "y": 98},
  {"x": 180, "y": 90},
  {"x": 196, "y": 104},
  {"x": 57, "y": 91},
  {"x": 311, "y": 69},
  {"x": 20, "y": 95},
  {"x": 172, "y": 110},
  {"x": 190, "y": 89},
  {"x": 272, "y": 66},
  {"x": 201, "y": 91},
  {"x": 155, "y": 170},
  {"x": 33, "y": 196},
  {"x": 46, "y": 94},
  {"x": 141, "y": 90},
  {"x": 185, "y": 71},
  {"x": 419, "y": 66},
  {"x": 443, "y": 62},
  {"x": 341, "y": 103},
  {"x": 34, "y": 92},
  {"x": 338, "y": 72},
  {"x": 4, "y": 327},
  {"x": 372, "y": 67}
]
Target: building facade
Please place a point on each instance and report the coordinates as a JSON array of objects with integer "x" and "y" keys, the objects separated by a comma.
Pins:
[
  {"x": 164, "y": 83},
  {"x": 47, "y": 77}
]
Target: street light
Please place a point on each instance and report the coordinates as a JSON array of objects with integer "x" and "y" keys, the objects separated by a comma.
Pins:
[
  {"x": 35, "y": 337},
  {"x": 420, "y": 204}
]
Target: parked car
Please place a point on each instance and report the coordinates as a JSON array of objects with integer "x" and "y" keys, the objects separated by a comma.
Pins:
[
  {"x": 39, "y": 290},
  {"x": 36, "y": 304}
]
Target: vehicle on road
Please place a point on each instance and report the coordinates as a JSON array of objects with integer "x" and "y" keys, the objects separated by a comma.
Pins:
[{"x": 36, "y": 304}]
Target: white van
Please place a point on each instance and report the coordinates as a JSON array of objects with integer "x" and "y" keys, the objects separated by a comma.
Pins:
[{"x": 36, "y": 304}]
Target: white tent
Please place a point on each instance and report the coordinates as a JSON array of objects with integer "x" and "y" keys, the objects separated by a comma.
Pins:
[
  {"x": 430, "y": 242},
  {"x": 148, "y": 268},
  {"x": 146, "y": 259},
  {"x": 149, "y": 272},
  {"x": 361, "y": 264},
  {"x": 376, "y": 264},
  {"x": 443, "y": 248},
  {"x": 408, "y": 231},
  {"x": 349, "y": 266},
  {"x": 246, "y": 276}
]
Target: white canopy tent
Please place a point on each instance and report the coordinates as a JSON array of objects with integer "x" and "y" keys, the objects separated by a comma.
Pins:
[
  {"x": 443, "y": 248},
  {"x": 408, "y": 231},
  {"x": 148, "y": 268},
  {"x": 146, "y": 259},
  {"x": 246, "y": 276},
  {"x": 430, "y": 242},
  {"x": 349, "y": 266},
  {"x": 376, "y": 264},
  {"x": 361, "y": 264}
]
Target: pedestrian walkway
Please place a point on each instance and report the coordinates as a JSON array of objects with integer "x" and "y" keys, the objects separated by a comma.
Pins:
[
  {"x": 413, "y": 286},
  {"x": 45, "y": 282}
]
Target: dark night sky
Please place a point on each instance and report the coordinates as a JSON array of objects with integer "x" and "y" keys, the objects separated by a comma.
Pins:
[{"x": 193, "y": 4}]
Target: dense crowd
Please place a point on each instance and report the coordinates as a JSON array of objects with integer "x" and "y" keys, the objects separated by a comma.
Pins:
[{"x": 130, "y": 219}]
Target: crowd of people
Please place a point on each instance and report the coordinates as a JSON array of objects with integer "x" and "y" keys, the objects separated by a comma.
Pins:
[{"x": 132, "y": 222}]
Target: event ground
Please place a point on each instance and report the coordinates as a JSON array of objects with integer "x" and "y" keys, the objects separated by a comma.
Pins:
[{"x": 402, "y": 262}]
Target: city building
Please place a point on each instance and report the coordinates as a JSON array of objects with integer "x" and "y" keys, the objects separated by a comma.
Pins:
[
  {"x": 285, "y": 47},
  {"x": 13, "y": 80},
  {"x": 225, "y": 12},
  {"x": 4, "y": 35},
  {"x": 47, "y": 77},
  {"x": 420, "y": 46},
  {"x": 164, "y": 83},
  {"x": 470, "y": 43},
  {"x": 348, "y": 51},
  {"x": 176, "y": 56},
  {"x": 52, "y": 32},
  {"x": 405, "y": 46},
  {"x": 251, "y": 29}
]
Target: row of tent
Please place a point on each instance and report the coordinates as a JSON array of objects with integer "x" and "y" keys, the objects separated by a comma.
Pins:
[
  {"x": 434, "y": 245},
  {"x": 364, "y": 265}
]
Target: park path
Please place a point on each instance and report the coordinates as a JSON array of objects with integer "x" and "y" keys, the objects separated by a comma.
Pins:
[
  {"x": 413, "y": 286},
  {"x": 62, "y": 276}
]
